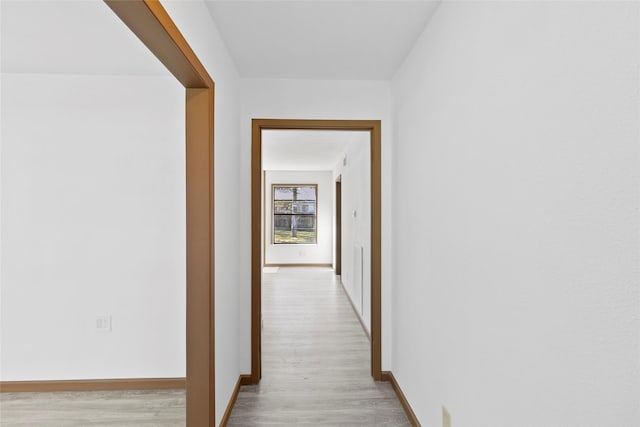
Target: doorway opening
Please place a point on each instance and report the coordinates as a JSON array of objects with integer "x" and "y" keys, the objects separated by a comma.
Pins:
[
  {"x": 151, "y": 23},
  {"x": 373, "y": 128}
]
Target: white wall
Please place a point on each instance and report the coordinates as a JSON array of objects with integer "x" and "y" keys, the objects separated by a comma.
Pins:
[
  {"x": 92, "y": 224},
  {"x": 356, "y": 230},
  {"x": 516, "y": 223},
  {"x": 322, "y": 251},
  {"x": 313, "y": 99},
  {"x": 194, "y": 21}
]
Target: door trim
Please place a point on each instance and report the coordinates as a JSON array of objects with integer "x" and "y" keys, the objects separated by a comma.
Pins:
[
  {"x": 338, "y": 239},
  {"x": 91, "y": 385},
  {"x": 151, "y": 23},
  {"x": 374, "y": 128}
]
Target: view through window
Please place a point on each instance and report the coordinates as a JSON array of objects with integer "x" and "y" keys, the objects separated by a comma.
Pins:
[{"x": 294, "y": 214}]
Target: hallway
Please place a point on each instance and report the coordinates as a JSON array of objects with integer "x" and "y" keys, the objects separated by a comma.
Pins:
[{"x": 315, "y": 359}]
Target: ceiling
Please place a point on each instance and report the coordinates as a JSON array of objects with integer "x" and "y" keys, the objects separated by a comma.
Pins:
[
  {"x": 323, "y": 39},
  {"x": 306, "y": 149},
  {"x": 307, "y": 39},
  {"x": 71, "y": 37}
]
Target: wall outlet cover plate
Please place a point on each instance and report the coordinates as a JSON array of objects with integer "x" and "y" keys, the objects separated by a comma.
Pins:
[{"x": 103, "y": 323}]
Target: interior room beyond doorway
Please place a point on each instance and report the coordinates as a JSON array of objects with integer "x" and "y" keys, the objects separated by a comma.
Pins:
[{"x": 301, "y": 169}]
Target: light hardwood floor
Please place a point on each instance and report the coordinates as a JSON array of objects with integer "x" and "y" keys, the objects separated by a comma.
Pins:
[
  {"x": 315, "y": 372},
  {"x": 315, "y": 359},
  {"x": 162, "y": 408}
]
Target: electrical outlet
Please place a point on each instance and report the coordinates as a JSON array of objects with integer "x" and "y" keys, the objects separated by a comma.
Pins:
[
  {"x": 103, "y": 323},
  {"x": 446, "y": 417}
]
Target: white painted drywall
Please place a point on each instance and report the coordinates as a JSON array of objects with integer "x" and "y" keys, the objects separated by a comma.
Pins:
[
  {"x": 313, "y": 99},
  {"x": 517, "y": 285},
  {"x": 194, "y": 21},
  {"x": 42, "y": 37},
  {"x": 355, "y": 181},
  {"x": 93, "y": 223},
  {"x": 319, "y": 253}
]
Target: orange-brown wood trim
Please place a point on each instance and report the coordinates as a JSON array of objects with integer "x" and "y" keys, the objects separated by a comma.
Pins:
[
  {"x": 92, "y": 385},
  {"x": 232, "y": 400},
  {"x": 150, "y": 22},
  {"x": 376, "y": 251},
  {"x": 338, "y": 243},
  {"x": 200, "y": 253},
  {"x": 372, "y": 126},
  {"x": 307, "y": 264},
  {"x": 303, "y": 124},
  {"x": 256, "y": 267},
  {"x": 388, "y": 376}
]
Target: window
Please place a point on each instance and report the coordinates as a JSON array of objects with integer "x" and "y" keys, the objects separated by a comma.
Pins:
[{"x": 294, "y": 214}]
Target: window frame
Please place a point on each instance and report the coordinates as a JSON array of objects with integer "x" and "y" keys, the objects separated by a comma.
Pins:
[{"x": 273, "y": 214}]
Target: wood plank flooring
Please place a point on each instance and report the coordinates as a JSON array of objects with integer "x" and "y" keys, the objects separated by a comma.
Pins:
[
  {"x": 162, "y": 408},
  {"x": 315, "y": 359}
]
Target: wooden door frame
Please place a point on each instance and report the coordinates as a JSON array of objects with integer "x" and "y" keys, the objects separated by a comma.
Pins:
[
  {"x": 337, "y": 266},
  {"x": 151, "y": 23},
  {"x": 374, "y": 128}
]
